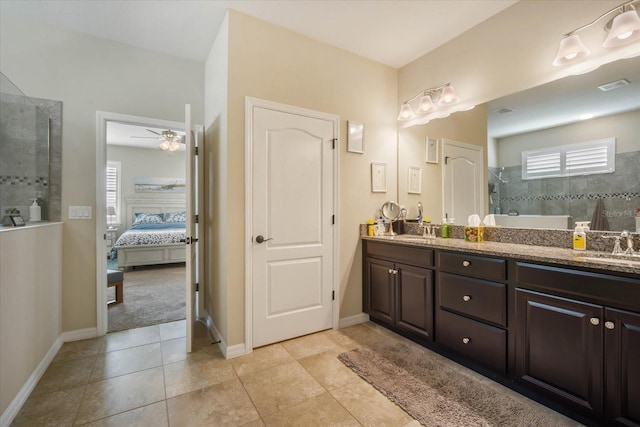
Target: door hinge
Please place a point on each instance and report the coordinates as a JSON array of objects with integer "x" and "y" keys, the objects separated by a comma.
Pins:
[
  {"x": 195, "y": 151},
  {"x": 104, "y": 236},
  {"x": 333, "y": 220},
  {"x": 333, "y": 295},
  {"x": 197, "y": 218},
  {"x": 197, "y": 287},
  {"x": 333, "y": 141}
]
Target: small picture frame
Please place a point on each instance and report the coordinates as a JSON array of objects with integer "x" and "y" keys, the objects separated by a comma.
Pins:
[
  {"x": 432, "y": 150},
  {"x": 17, "y": 220},
  {"x": 355, "y": 137},
  {"x": 415, "y": 180},
  {"x": 379, "y": 177}
]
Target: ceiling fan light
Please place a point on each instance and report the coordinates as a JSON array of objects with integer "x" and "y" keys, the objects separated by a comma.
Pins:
[
  {"x": 406, "y": 113},
  {"x": 571, "y": 50},
  {"x": 426, "y": 104},
  {"x": 624, "y": 29},
  {"x": 448, "y": 96},
  {"x": 173, "y": 145},
  {"x": 164, "y": 145}
]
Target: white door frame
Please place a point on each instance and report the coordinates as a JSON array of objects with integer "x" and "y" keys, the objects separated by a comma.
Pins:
[
  {"x": 250, "y": 103},
  {"x": 102, "y": 118}
]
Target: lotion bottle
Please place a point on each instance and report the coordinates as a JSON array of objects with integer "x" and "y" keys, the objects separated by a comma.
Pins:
[
  {"x": 580, "y": 236},
  {"x": 34, "y": 211}
]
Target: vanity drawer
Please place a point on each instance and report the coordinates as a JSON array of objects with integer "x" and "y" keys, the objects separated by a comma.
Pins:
[
  {"x": 475, "y": 266},
  {"x": 481, "y": 343},
  {"x": 412, "y": 255},
  {"x": 481, "y": 299}
]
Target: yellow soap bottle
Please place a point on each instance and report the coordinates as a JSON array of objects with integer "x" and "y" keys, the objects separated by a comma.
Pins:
[
  {"x": 370, "y": 226},
  {"x": 580, "y": 236}
]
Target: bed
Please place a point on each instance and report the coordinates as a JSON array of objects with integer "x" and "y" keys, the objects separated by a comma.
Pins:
[{"x": 154, "y": 230}]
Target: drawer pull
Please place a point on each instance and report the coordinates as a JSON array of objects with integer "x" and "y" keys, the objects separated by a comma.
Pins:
[
  {"x": 466, "y": 340},
  {"x": 466, "y": 263},
  {"x": 609, "y": 325},
  {"x": 391, "y": 271},
  {"x": 466, "y": 298},
  {"x": 594, "y": 321}
]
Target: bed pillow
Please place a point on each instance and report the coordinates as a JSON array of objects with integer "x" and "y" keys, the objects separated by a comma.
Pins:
[
  {"x": 175, "y": 217},
  {"x": 147, "y": 218}
]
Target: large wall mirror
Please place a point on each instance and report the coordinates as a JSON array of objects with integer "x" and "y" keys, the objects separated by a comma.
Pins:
[{"x": 555, "y": 115}]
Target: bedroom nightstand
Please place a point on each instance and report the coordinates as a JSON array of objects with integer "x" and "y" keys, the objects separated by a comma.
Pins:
[{"x": 111, "y": 237}]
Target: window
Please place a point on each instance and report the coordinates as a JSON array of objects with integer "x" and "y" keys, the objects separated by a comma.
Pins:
[
  {"x": 584, "y": 158},
  {"x": 113, "y": 192}
]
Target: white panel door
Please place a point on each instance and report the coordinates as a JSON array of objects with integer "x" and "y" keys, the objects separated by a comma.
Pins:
[
  {"x": 463, "y": 189},
  {"x": 191, "y": 230},
  {"x": 292, "y": 200}
]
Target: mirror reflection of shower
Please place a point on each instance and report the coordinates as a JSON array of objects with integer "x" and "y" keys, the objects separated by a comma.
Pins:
[{"x": 498, "y": 190}]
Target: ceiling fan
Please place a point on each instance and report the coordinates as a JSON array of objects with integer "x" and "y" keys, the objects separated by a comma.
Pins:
[{"x": 169, "y": 140}]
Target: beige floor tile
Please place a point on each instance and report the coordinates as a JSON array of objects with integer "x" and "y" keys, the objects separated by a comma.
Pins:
[
  {"x": 311, "y": 344},
  {"x": 322, "y": 410},
  {"x": 172, "y": 330},
  {"x": 261, "y": 359},
  {"x": 65, "y": 374},
  {"x": 222, "y": 404},
  {"x": 115, "y": 395},
  {"x": 281, "y": 387},
  {"x": 120, "y": 362},
  {"x": 364, "y": 334},
  {"x": 369, "y": 406},
  {"x": 53, "y": 409},
  {"x": 130, "y": 338},
  {"x": 173, "y": 350},
  {"x": 151, "y": 415},
  {"x": 195, "y": 372},
  {"x": 79, "y": 349},
  {"x": 256, "y": 423},
  {"x": 328, "y": 370}
]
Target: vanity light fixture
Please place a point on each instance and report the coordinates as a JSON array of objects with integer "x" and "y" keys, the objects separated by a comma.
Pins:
[
  {"x": 445, "y": 95},
  {"x": 623, "y": 29}
]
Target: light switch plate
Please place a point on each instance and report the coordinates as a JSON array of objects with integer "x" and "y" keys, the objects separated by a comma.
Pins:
[{"x": 80, "y": 212}]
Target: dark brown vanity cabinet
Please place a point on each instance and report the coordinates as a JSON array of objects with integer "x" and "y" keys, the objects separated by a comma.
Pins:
[
  {"x": 399, "y": 288},
  {"x": 471, "y": 314},
  {"x": 570, "y": 345}
]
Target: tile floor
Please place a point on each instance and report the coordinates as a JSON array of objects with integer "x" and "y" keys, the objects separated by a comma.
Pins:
[{"x": 143, "y": 377}]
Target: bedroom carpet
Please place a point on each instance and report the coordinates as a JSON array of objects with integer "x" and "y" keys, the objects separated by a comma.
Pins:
[
  {"x": 438, "y": 392},
  {"x": 152, "y": 295}
]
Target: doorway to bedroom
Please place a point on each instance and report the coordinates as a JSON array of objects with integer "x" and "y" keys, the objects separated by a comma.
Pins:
[{"x": 145, "y": 224}]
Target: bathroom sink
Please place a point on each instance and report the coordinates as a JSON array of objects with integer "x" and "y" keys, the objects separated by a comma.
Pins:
[
  {"x": 410, "y": 238},
  {"x": 611, "y": 260}
]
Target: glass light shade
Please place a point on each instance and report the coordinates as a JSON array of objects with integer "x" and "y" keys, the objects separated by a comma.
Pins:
[
  {"x": 624, "y": 29},
  {"x": 406, "y": 113},
  {"x": 164, "y": 145},
  {"x": 426, "y": 104},
  {"x": 571, "y": 50},
  {"x": 173, "y": 145},
  {"x": 448, "y": 96}
]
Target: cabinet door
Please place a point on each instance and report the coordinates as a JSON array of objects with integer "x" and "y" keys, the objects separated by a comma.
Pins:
[
  {"x": 414, "y": 300},
  {"x": 380, "y": 301},
  {"x": 559, "y": 349},
  {"x": 622, "y": 364}
]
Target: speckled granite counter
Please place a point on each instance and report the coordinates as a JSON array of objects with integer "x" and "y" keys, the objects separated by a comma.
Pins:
[{"x": 552, "y": 255}]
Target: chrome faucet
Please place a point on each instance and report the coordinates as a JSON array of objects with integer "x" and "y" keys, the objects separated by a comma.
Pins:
[
  {"x": 420, "y": 213},
  {"x": 629, "y": 237}
]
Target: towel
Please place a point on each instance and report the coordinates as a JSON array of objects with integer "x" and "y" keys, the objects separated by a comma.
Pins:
[{"x": 598, "y": 219}]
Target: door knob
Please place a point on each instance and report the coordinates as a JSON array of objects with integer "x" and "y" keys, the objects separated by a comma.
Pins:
[{"x": 261, "y": 239}]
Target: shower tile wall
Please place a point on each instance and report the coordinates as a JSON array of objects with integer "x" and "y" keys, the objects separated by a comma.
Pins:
[
  {"x": 30, "y": 165},
  {"x": 575, "y": 196}
]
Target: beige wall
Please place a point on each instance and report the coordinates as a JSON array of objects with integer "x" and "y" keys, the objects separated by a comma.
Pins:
[
  {"x": 88, "y": 75},
  {"x": 624, "y": 127},
  {"x": 30, "y": 301},
  {"x": 274, "y": 64}
]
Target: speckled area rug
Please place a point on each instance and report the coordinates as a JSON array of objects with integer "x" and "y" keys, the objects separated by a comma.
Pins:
[{"x": 439, "y": 392}]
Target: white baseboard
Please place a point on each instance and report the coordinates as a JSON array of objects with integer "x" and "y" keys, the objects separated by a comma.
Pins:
[
  {"x": 356, "y": 319},
  {"x": 227, "y": 352},
  {"x": 16, "y": 404},
  {"x": 79, "y": 334}
]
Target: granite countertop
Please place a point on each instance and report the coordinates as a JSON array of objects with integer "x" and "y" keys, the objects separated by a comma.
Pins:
[{"x": 558, "y": 256}]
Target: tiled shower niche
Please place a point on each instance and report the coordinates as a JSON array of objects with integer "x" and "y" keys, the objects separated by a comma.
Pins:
[
  {"x": 575, "y": 196},
  {"x": 30, "y": 153}
]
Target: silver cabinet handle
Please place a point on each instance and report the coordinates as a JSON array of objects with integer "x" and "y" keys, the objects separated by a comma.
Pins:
[
  {"x": 466, "y": 298},
  {"x": 395, "y": 271},
  {"x": 466, "y": 263},
  {"x": 609, "y": 325},
  {"x": 594, "y": 321},
  {"x": 466, "y": 340},
  {"x": 391, "y": 271}
]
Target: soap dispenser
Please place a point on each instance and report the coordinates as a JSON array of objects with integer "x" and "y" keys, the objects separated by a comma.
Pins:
[
  {"x": 34, "y": 211},
  {"x": 580, "y": 236}
]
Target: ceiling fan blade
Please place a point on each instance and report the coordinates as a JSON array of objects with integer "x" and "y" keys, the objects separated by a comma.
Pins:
[
  {"x": 153, "y": 131},
  {"x": 145, "y": 137}
]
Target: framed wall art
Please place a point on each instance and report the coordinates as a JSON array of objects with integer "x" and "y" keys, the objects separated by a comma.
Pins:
[
  {"x": 415, "y": 180},
  {"x": 379, "y": 177},
  {"x": 432, "y": 150},
  {"x": 355, "y": 137}
]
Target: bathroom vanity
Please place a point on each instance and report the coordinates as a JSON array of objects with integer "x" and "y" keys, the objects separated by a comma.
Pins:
[{"x": 543, "y": 321}]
